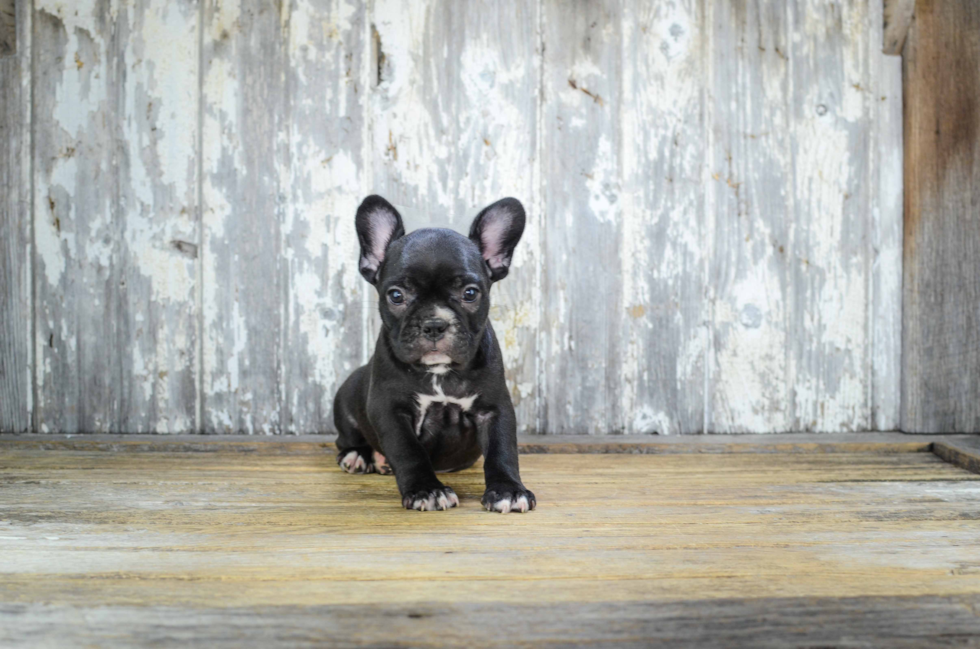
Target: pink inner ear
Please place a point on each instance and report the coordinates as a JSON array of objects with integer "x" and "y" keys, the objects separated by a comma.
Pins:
[
  {"x": 383, "y": 224},
  {"x": 492, "y": 237}
]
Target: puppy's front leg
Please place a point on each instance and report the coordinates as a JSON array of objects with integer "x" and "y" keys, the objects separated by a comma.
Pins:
[
  {"x": 505, "y": 492},
  {"x": 417, "y": 481}
]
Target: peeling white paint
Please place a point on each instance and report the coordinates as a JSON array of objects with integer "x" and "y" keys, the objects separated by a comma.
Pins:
[
  {"x": 602, "y": 182},
  {"x": 748, "y": 270}
]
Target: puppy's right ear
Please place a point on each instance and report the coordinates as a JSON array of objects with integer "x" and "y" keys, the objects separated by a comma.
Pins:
[{"x": 378, "y": 224}]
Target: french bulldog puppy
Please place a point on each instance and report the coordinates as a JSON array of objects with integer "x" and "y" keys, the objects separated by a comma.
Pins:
[{"x": 433, "y": 398}]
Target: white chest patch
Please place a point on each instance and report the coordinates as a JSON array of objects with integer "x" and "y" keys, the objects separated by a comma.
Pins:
[{"x": 439, "y": 396}]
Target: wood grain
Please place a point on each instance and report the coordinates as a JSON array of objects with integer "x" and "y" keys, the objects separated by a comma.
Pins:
[
  {"x": 322, "y": 181},
  {"x": 8, "y": 34},
  {"x": 115, "y": 187},
  {"x": 581, "y": 198},
  {"x": 16, "y": 300},
  {"x": 886, "y": 269},
  {"x": 790, "y": 264},
  {"x": 207, "y": 534},
  {"x": 664, "y": 331},
  {"x": 941, "y": 321},
  {"x": 897, "y": 18},
  {"x": 243, "y": 150},
  {"x": 963, "y": 451},
  {"x": 750, "y": 215},
  {"x": 895, "y": 621}
]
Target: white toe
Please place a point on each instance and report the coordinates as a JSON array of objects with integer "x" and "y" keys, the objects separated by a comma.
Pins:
[
  {"x": 425, "y": 504},
  {"x": 348, "y": 462},
  {"x": 520, "y": 505}
]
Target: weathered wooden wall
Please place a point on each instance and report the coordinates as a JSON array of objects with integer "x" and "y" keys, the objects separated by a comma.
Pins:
[{"x": 714, "y": 211}]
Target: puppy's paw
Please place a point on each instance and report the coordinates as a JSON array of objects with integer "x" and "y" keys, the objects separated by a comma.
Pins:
[
  {"x": 427, "y": 500},
  {"x": 355, "y": 461},
  {"x": 380, "y": 464},
  {"x": 508, "y": 498}
]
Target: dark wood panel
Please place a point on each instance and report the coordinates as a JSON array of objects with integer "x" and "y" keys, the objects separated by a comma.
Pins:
[
  {"x": 941, "y": 321},
  {"x": 963, "y": 451},
  {"x": 15, "y": 220}
]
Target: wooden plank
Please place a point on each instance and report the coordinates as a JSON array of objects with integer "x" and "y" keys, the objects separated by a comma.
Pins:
[
  {"x": 886, "y": 307},
  {"x": 830, "y": 270},
  {"x": 71, "y": 209},
  {"x": 749, "y": 207},
  {"x": 581, "y": 196},
  {"x": 897, "y": 18},
  {"x": 790, "y": 265},
  {"x": 896, "y": 621},
  {"x": 963, "y": 451},
  {"x": 662, "y": 139},
  {"x": 8, "y": 31},
  {"x": 455, "y": 129},
  {"x": 941, "y": 322},
  {"x": 325, "y": 124},
  {"x": 157, "y": 218},
  {"x": 16, "y": 300},
  {"x": 115, "y": 231},
  {"x": 635, "y": 444},
  {"x": 243, "y": 278},
  {"x": 201, "y": 531}
]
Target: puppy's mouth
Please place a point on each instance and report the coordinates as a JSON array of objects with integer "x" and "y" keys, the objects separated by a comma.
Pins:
[{"x": 435, "y": 358}]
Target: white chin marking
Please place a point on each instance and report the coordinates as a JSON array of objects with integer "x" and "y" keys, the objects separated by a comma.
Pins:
[
  {"x": 438, "y": 369},
  {"x": 436, "y": 358}
]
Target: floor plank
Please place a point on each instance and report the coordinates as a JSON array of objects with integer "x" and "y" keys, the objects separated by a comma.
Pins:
[{"x": 157, "y": 545}]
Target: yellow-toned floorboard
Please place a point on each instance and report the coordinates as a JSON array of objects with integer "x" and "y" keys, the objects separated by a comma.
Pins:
[{"x": 233, "y": 529}]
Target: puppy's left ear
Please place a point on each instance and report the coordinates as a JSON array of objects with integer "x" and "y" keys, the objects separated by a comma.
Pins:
[{"x": 496, "y": 230}]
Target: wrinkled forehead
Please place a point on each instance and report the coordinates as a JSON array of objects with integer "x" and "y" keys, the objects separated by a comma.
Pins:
[{"x": 434, "y": 257}]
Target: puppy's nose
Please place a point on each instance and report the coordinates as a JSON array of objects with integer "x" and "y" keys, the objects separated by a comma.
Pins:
[{"x": 434, "y": 329}]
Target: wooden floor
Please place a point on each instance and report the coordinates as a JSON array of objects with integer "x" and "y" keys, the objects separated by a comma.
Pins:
[{"x": 873, "y": 547}]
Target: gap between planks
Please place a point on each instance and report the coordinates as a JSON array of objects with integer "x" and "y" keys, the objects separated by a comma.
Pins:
[{"x": 960, "y": 450}]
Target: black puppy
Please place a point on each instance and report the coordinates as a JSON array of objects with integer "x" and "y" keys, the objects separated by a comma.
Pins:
[{"x": 433, "y": 397}]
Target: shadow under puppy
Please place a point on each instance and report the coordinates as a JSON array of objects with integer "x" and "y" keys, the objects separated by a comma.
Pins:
[{"x": 433, "y": 397}]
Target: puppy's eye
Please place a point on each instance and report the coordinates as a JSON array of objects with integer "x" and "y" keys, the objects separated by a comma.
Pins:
[
  {"x": 396, "y": 297},
  {"x": 470, "y": 294}
]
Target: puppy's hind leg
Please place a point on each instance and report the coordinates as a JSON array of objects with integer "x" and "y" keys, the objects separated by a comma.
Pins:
[{"x": 354, "y": 454}]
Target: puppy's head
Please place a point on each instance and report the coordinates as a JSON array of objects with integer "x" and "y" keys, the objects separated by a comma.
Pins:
[{"x": 434, "y": 284}]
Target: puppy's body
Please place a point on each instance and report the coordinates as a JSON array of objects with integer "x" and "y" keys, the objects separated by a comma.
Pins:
[
  {"x": 443, "y": 407},
  {"x": 433, "y": 396}
]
